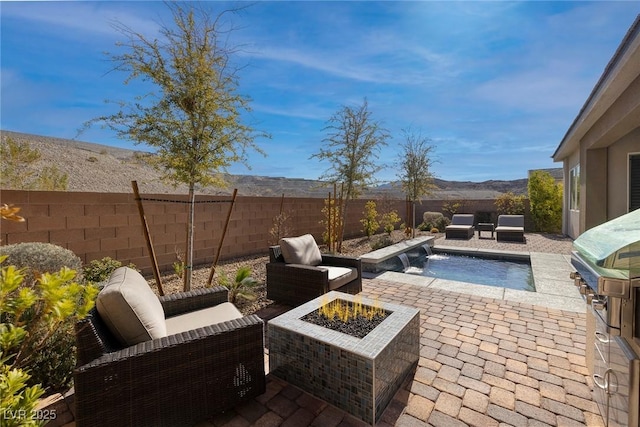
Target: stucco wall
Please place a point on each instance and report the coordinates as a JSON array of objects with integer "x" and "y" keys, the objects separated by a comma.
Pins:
[{"x": 618, "y": 169}]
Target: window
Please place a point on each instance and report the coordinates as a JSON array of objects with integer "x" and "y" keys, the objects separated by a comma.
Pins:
[
  {"x": 574, "y": 188},
  {"x": 634, "y": 182}
]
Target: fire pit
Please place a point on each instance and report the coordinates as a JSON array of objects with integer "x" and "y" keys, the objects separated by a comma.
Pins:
[{"x": 358, "y": 375}]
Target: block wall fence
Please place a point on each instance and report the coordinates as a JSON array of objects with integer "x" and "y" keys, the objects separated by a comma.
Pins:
[{"x": 97, "y": 225}]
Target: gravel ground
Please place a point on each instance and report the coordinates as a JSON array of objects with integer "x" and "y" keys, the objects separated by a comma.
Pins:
[{"x": 171, "y": 283}]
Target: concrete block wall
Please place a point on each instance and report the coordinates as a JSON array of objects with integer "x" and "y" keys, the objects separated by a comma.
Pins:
[{"x": 97, "y": 225}]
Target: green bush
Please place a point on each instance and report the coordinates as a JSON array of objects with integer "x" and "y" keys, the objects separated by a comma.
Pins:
[
  {"x": 437, "y": 223},
  {"x": 430, "y": 217},
  {"x": 33, "y": 357},
  {"x": 545, "y": 196},
  {"x": 510, "y": 204},
  {"x": 53, "y": 360},
  {"x": 99, "y": 270},
  {"x": 37, "y": 258},
  {"x": 370, "y": 221},
  {"x": 380, "y": 243},
  {"x": 389, "y": 221}
]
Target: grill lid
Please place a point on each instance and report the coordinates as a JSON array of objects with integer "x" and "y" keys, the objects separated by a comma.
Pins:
[{"x": 614, "y": 244}]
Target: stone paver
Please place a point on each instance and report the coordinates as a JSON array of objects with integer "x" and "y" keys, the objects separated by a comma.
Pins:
[{"x": 484, "y": 361}]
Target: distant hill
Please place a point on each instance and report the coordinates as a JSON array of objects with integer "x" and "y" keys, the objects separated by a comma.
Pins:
[{"x": 99, "y": 168}]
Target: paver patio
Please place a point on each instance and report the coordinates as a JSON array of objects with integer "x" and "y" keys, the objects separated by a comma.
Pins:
[{"x": 484, "y": 361}]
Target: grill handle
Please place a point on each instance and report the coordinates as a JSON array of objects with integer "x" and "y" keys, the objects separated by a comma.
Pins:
[{"x": 603, "y": 338}]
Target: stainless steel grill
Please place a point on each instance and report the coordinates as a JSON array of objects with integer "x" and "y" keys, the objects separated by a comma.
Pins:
[{"x": 607, "y": 263}]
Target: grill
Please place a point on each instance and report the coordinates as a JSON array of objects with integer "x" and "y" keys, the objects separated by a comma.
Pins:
[{"x": 607, "y": 263}]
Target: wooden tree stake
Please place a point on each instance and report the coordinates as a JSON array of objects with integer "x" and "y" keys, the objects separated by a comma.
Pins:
[{"x": 147, "y": 236}]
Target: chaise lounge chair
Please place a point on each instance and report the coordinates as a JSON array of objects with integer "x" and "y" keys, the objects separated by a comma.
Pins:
[
  {"x": 173, "y": 360},
  {"x": 510, "y": 228},
  {"x": 461, "y": 227},
  {"x": 298, "y": 272}
]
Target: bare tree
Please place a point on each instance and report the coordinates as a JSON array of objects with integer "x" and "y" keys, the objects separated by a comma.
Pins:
[
  {"x": 194, "y": 119},
  {"x": 415, "y": 168},
  {"x": 353, "y": 142}
]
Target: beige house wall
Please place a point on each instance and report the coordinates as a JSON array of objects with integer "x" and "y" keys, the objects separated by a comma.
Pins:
[
  {"x": 618, "y": 167},
  {"x": 602, "y": 136}
]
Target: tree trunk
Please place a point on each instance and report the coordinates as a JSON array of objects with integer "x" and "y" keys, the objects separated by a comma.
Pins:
[
  {"x": 413, "y": 219},
  {"x": 188, "y": 267}
]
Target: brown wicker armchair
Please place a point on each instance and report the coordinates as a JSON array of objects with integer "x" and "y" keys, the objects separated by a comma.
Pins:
[
  {"x": 179, "y": 379},
  {"x": 295, "y": 284}
]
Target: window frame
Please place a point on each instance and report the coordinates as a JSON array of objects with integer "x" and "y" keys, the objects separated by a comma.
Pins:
[
  {"x": 636, "y": 188},
  {"x": 574, "y": 188}
]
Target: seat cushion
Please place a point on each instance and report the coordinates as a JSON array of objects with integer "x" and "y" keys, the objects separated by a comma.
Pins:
[
  {"x": 511, "y": 221},
  {"x": 339, "y": 276},
  {"x": 510, "y": 229},
  {"x": 201, "y": 318},
  {"x": 300, "y": 250},
  {"x": 462, "y": 219},
  {"x": 130, "y": 309}
]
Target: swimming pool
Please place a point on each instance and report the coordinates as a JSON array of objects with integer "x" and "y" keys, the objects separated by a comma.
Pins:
[{"x": 501, "y": 272}]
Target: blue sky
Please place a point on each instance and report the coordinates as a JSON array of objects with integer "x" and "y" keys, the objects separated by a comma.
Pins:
[{"x": 495, "y": 85}]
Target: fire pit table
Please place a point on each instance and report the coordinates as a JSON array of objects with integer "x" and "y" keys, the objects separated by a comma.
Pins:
[{"x": 358, "y": 375}]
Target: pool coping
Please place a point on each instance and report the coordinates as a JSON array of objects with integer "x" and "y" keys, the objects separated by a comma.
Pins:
[{"x": 554, "y": 288}]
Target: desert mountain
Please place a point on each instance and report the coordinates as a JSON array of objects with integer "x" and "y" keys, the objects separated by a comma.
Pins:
[{"x": 99, "y": 168}]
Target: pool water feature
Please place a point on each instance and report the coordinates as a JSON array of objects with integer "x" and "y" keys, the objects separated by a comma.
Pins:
[{"x": 505, "y": 273}]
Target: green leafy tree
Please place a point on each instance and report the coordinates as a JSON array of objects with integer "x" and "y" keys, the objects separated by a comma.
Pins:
[
  {"x": 415, "y": 169},
  {"x": 194, "y": 119},
  {"x": 370, "y": 222},
  {"x": 19, "y": 168},
  {"x": 352, "y": 145},
  {"x": 545, "y": 198},
  {"x": 510, "y": 204}
]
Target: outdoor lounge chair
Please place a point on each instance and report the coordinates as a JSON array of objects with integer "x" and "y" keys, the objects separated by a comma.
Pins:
[
  {"x": 298, "y": 272},
  {"x": 137, "y": 368},
  {"x": 510, "y": 227},
  {"x": 461, "y": 227}
]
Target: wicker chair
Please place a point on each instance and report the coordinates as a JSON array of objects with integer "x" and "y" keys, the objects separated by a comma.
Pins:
[
  {"x": 295, "y": 284},
  {"x": 174, "y": 380}
]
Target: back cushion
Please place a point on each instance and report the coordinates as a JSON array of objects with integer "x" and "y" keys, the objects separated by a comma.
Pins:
[
  {"x": 130, "y": 309},
  {"x": 300, "y": 250}
]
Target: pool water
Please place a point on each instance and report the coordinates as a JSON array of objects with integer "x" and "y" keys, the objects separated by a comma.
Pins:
[{"x": 509, "y": 274}]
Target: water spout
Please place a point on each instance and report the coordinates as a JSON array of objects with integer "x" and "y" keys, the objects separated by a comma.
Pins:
[
  {"x": 405, "y": 261},
  {"x": 427, "y": 249}
]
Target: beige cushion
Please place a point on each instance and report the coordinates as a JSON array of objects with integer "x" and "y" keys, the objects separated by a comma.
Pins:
[
  {"x": 130, "y": 309},
  {"x": 201, "y": 318},
  {"x": 339, "y": 276},
  {"x": 300, "y": 250}
]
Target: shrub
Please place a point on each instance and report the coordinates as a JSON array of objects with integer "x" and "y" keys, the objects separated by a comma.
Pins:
[
  {"x": 389, "y": 221},
  {"x": 545, "y": 196},
  {"x": 281, "y": 227},
  {"x": 442, "y": 223},
  {"x": 370, "y": 221},
  {"x": 242, "y": 286},
  {"x": 510, "y": 204},
  {"x": 380, "y": 243},
  {"x": 37, "y": 258},
  {"x": 430, "y": 217},
  {"x": 35, "y": 321},
  {"x": 99, "y": 270},
  {"x": 437, "y": 223},
  {"x": 453, "y": 207}
]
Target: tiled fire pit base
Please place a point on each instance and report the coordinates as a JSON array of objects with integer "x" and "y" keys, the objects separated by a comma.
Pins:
[{"x": 358, "y": 375}]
